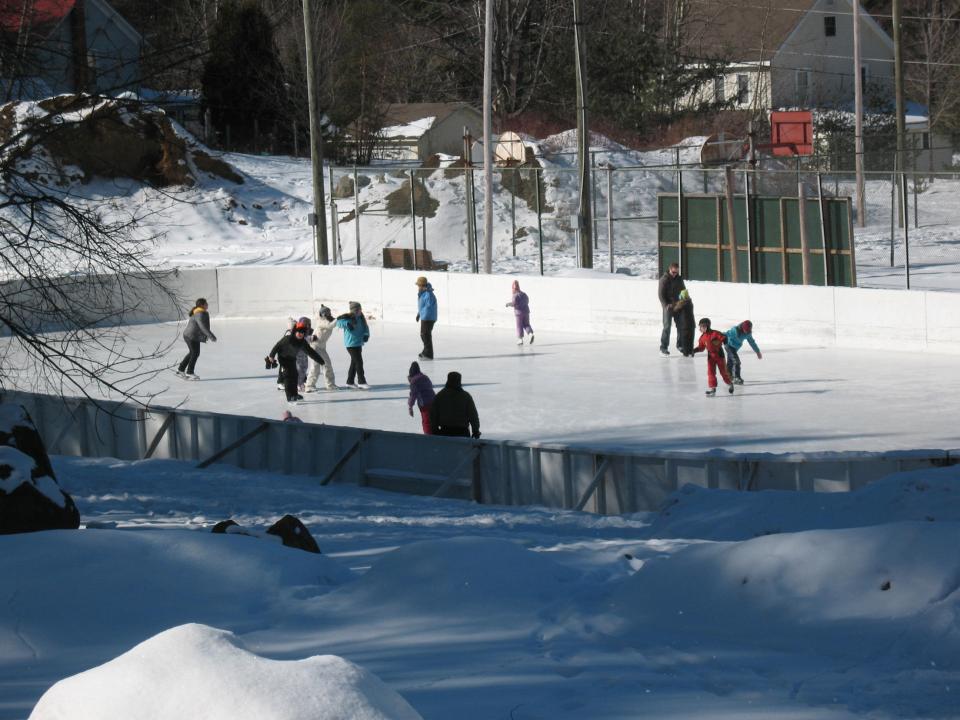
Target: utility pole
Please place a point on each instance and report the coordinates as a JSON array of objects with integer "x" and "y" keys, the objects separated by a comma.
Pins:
[
  {"x": 898, "y": 90},
  {"x": 584, "y": 220},
  {"x": 316, "y": 140},
  {"x": 487, "y": 138},
  {"x": 858, "y": 114}
]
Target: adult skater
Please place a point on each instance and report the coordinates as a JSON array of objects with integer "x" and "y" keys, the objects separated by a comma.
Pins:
[
  {"x": 318, "y": 341},
  {"x": 285, "y": 352},
  {"x": 197, "y": 331},
  {"x": 521, "y": 312},
  {"x": 426, "y": 316},
  {"x": 453, "y": 412},
  {"x": 668, "y": 291},
  {"x": 421, "y": 395},
  {"x": 356, "y": 332}
]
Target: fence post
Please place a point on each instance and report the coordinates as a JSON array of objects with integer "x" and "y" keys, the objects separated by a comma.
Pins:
[
  {"x": 539, "y": 219},
  {"x": 746, "y": 209},
  {"x": 610, "y": 214},
  {"x": 356, "y": 208},
  {"x": 804, "y": 237},
  {"x": 334, "y": 227},
  {"x": 593, "y": 199},
  {"x": 731, "y": 225},
  {"x": 476, "y": 246},
  {"x": 823, "y": 231},
  {"x": 413, "y": 222},
  {"x": 680, "y": 215},
  {"x": 893, "y": 203},
  {"x": 513, "y": 208},
  {"x": 906, "y": 229},
  {"x": 471, "y": 212}
]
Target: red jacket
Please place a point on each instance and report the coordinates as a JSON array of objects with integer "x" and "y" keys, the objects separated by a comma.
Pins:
[{"x": 712, "y": 341}]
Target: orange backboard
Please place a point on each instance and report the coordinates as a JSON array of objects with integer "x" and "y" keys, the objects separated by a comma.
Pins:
[{"x": 791, "y": 132}]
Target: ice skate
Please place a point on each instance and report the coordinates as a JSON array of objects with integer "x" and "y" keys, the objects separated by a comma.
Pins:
[
  {"x": 664, "y": 353},
  {"x": 281, "y": 386},
  {"x": 363, "y": 386},
  {"x": 737, "y": 381},
  {"x": 179, "y": 373},
  {"x": 531, "y": 338},
  {"x": 730, "y": 388},
  {"x": 710, "y": 392},
  {"x": 520, "y": 341},
  {"x": 332, "y": 388},
  {"x": 310, "y": 389},
  {"x": 191, "y": 376},
  {"x": 352, "y": 386}
]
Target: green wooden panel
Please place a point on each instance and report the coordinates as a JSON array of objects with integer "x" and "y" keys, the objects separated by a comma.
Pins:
[
  {"x": 669, "y": 255},
  {"x": 838, "y": 225},
  {"x": 767, "y": 222},
  {"x": 792, "y": 225},
  {"x": 794, "y": 269},
  {"x": 667, "y": 207},
  {"x": 700, "y": 220},
  {"x": 769, "y": 269},
  {"x": 816, "y": 269},
  {"x": 701, "y": 264},
  {"x": 814, "y": 236},
  {"x": 840, "y": 269}
]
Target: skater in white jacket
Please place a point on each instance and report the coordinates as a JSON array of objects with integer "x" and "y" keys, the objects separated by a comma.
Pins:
[{"x": 323, "y": 328}]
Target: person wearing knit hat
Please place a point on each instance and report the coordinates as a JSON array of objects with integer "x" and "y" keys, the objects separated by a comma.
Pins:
[
  {"x": 736, "y": 336},
  {"x": 318, "y": 341},
  {"x": 426, "y": 316},
  {"x": 356, "y": 333},
  {"x": 521, "y": 311},
  {"x": 421, "y": 395},
  {"x": 453, "y": 412}
]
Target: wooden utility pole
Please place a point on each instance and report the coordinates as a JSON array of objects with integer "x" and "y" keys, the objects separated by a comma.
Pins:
[
  {"x": 316, "y": 140},
  {"x": 858, "y": 114},
  {"x": 488, "y": 138},
  {"x": 731, "y": 224},
  {"x": 584, "y": 220},
  {"x": 898, "y": 90}
]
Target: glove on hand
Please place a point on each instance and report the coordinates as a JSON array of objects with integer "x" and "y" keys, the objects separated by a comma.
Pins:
[
  {"x": 418, "y": 317},
  {"x": 410, "y": 410},
  {"x": 476, "y": 435},
  {"x": 270, "y": 363}
]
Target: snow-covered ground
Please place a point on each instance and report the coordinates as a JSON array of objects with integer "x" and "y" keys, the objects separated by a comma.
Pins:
[
  {"x": 264, "y": 221},
  {"x": 724, "y": 605}
]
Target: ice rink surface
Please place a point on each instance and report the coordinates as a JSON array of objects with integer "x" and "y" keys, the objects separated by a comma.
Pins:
[{"x": 596, "y": 391}]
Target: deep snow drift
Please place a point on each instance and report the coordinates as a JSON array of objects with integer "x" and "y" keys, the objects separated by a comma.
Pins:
[{"x": 747, "y": 605}]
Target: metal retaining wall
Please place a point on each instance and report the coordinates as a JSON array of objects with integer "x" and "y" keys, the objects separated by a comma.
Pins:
[{"x": 492, "y": 472}]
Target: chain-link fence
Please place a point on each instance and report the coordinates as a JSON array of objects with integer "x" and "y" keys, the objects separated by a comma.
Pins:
[{"x": 907, "y": 234}]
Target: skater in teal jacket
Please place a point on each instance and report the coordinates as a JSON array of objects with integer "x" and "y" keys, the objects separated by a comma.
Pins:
[
  {"x": 356, "y": 332},
  {"x": 736, "y": 336}
]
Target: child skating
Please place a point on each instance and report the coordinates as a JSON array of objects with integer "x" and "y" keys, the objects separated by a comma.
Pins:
[
  {"x": 521, "y": 311},
  {"x": 197, "y": 331},
  {"x": 713, "y": 341},
  {"x": 421, "y": 395},
  {"x": 285, "y": 353},
  {"x": 683, "y": 312},
  {"x": 735, "y": 339},
  {"x": 356, "y": 332},
  {"x": 318, "y": 341}
]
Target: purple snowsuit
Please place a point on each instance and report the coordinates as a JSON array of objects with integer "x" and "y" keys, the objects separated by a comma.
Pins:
[{"x": 521, "y": 311}]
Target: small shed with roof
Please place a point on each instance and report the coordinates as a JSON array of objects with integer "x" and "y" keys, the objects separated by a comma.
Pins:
[{"x": 419, "y": 130}]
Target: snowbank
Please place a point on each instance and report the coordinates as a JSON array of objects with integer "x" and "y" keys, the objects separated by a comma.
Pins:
[{"x": 198, "y": 671}]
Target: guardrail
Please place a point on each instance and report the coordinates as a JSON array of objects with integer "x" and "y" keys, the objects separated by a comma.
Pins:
[{"x": 487, "y": 471}]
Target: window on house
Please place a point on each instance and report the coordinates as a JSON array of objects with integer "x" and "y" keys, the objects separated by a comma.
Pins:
[
  {"x": 864, "y": 76},
  {"x": 743, "y": 89},
  {"x": 718, "y": 83},
  {"x": 803, "y": 88},
  {"x": 830, "y": 26},
  {"x": 925, "y": 141}
]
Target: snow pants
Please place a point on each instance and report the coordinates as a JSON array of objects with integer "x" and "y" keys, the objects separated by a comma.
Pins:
[
  {"x": 316, "y": 368},
  {"x": 288, "y": 369},
  {"x": 685, "y": 327},
  {"x": 716, "y": 362},
  {"x": 426, "y": 335},
  {"x": 425, "y": 420},
  {"x": 523, "y": 324},
  {"x": 733, "y": 362},
  {"x": 189, "y": 361},
  {"x": 356, "y": 366}
]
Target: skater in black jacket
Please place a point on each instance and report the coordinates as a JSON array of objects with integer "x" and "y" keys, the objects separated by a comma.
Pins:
[
  {"x": 286, "y": 351},
  {"x": 453, "y": 412}
]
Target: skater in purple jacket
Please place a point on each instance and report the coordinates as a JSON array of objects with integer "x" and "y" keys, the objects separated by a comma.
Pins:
[
  {"x": 421, "y": 395},
  {"x": 521, "y": 310}
]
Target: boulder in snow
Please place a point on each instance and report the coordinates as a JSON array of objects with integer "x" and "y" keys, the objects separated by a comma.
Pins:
[
  {"x": 30, "y": 498},
  {"x": 294, "y": 534}
]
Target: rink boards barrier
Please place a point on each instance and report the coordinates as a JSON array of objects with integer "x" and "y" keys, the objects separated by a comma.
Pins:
[{"x": 486, "y": 471}]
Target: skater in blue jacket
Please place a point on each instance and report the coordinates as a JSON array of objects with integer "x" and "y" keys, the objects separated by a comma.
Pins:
[
  {"x": 426, "y": 316},
  {"x": 356, "y": 332},
  {"x": 736, "y": 336}
]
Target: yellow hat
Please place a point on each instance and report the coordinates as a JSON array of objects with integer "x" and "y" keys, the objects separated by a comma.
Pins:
[{"x": 421, "y": 280}]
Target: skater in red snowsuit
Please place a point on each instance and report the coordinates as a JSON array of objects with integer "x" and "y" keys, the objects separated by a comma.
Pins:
[{"x": 713, "y": 342}]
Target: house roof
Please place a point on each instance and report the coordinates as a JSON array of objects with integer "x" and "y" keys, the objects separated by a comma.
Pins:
[
  {"x": 408, "y": 113},
  {"x": 741, "y": 29},
  {"x": 15, "y": 14}
]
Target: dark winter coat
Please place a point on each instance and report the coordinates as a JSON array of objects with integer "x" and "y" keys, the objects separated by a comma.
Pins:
[
  {"x": 669, "y": 289},
  {"x": 453, "y": 410},
  {"x": 198, "y": 327},
  {"x": 421, "y": 391},
  {"x": 287, "y": 348}
]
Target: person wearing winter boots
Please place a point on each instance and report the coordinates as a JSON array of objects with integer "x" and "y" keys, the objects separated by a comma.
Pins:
[
  {"x": 197, "y": 331},
  {"x": 285, "y": 353},
  {"x": 736, "y": 336},
  {"x": 713, "y": 342},
  {"x": 356, "y": 333},
  {"x": 521, "y": 312},
  {"x": 421, "y": 395},
  {"x": 453, "y": 412},
  {"x": 668, "y": 290},
  {"x": 281, "y": 381},
  {"x": 318, "y": 341},
  {"x": 683, "y": 311},
  {"x": 426, "y": 316}
]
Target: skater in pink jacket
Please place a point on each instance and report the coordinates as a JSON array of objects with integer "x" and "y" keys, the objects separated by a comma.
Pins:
[{"x": 521, "y": 311}]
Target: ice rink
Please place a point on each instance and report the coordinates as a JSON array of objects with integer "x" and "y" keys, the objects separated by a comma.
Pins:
[{"x": 595, "y": 391}]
